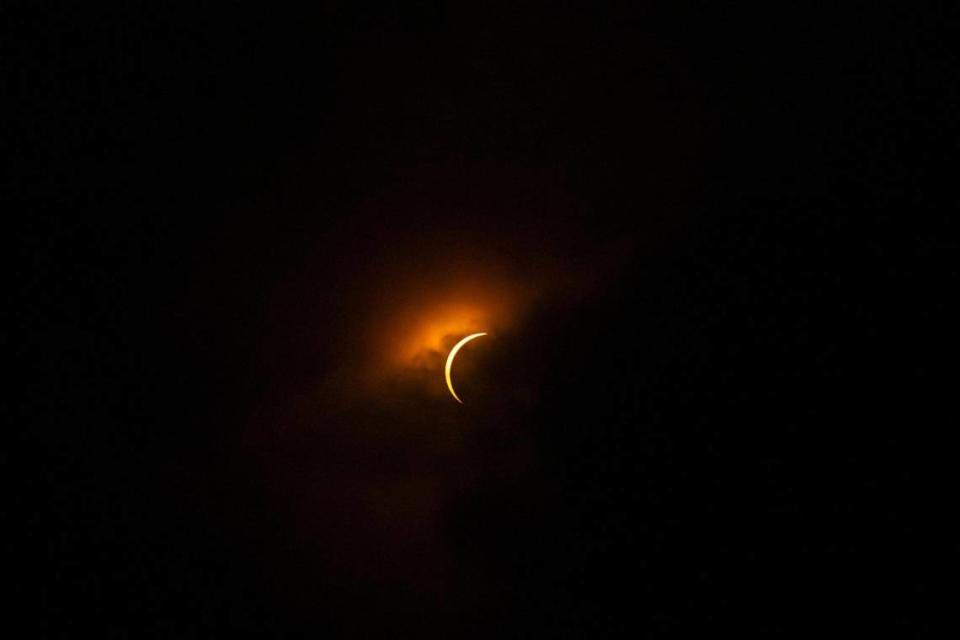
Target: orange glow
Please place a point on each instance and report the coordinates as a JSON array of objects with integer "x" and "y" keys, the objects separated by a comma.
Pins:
[
  {"x": 420, "y": 332},
  {"x": 428, "y": 333}
]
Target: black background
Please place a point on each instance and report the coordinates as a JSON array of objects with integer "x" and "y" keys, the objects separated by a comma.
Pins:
[{"x": 757, "y": 454}]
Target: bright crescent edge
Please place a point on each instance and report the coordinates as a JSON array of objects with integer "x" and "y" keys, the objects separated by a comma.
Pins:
[{"x": 453, "y": 353}]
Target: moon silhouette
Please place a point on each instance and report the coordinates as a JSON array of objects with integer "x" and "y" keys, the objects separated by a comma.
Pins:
[{"x": 453, "y": 354}]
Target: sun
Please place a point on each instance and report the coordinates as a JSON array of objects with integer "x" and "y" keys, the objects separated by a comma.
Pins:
[{"x": 453, "y": 354}]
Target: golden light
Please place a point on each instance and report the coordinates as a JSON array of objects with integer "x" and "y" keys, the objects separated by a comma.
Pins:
[{"x": 453, "y": 353}]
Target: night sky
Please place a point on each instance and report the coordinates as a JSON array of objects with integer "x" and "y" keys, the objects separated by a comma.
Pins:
[{"x": 710, "y": 246}]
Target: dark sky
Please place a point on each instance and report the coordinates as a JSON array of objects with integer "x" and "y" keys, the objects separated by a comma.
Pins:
[{"x": 710, "y": 246}]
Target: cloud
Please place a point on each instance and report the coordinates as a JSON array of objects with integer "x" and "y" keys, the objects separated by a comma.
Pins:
[{"x": 356, "y": 436}]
